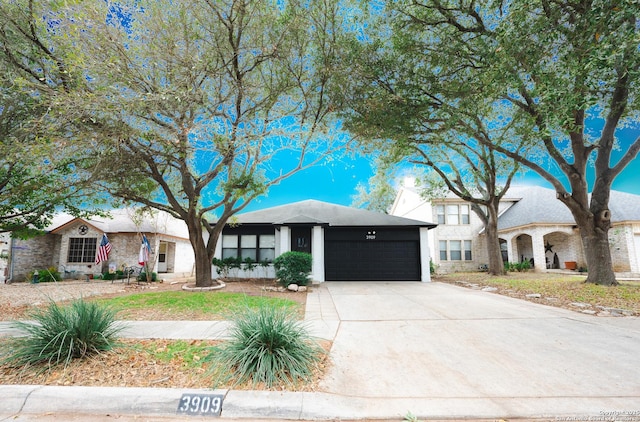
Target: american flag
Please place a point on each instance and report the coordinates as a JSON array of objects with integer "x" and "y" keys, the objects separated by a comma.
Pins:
[
  {"x": 103, "y": 250},
  {"x": 145, "y": 250}
]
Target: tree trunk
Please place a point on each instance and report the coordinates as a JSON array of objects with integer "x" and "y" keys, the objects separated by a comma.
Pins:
[
  {"x": 203, "y": 267},
  {"x": 597, "y": 254},
  {"x": 496, "y": 265},
  {"x": 201, "y": 253},
  {"x": 593, "y": 217}
]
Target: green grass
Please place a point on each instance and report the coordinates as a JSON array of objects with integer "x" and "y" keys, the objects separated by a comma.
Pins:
[
  {"x": 190, "y": 352},
  {"x": 214, "y": 305},
  {"x": 565, "y": 288}
]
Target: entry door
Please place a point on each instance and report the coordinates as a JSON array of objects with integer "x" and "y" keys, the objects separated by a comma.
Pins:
[
  {"x": 301, "y": 239},
  {"x": 162, "y": 257}
]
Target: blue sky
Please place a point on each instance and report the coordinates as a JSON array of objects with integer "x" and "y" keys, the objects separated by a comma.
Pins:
[{"x": 336, "y": 182}]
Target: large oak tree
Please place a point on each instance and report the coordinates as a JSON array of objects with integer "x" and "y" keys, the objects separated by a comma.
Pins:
[
  {"x": 553, "y": 68},
  {"x": 201, "y": 105}
]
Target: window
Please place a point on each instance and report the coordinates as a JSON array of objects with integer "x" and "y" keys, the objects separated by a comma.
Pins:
[
  {"x": 455, "y": 250},
  {"x": 258, "y": 247},
  {"x": 467, "y": 250},
  {"x": 452, "y": 214},
  {"x": 267, "y": 247},
  {"x": 464, "y": 214},
  {"x": 82, "y": 249},
  {"x": 443, "y": 250},
  {"x": 440, "y": 214}
]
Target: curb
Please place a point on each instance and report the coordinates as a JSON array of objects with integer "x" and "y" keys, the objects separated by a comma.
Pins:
[{"x": 25, "y": 400}]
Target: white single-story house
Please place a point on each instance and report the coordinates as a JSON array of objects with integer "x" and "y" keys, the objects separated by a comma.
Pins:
[
  {"x": 533, "y": 225},
  {"x": 346, "y": 244},
  {"x": 70, "y": 245}
]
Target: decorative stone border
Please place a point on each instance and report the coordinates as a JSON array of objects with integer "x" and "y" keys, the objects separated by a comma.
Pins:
[{"x": 192, "y": 287}]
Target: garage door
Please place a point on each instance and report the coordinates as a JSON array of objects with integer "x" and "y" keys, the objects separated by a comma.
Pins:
[{"x": 391, "y": 260}]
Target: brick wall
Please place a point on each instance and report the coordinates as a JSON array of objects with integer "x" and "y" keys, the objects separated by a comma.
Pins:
[
  {"x": 621, "y": 244},
  {"x": 32, "y": 254}
]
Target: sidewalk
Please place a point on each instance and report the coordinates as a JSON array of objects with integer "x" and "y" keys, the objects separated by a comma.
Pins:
[{"x": 435, "y": 350}]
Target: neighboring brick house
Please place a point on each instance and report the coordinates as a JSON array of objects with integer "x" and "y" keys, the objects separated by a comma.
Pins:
[
  {"x": 533, "y": 225},
  {"x": 70, "y": 245}
]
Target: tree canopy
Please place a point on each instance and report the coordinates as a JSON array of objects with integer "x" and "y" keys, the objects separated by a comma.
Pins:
[
  {"x": 38, "y": 164},
  {"x": 548, "y": 69},
  {"x": 199, "y": 106}
]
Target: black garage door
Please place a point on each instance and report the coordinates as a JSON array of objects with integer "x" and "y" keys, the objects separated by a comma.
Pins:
[{"x": 384, "y": 256}]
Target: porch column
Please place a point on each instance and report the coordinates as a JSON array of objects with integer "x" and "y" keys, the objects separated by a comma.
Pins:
[
  {"x": 317, "y": 253},
  {"x": 510, "y": 250},
  {"x": 425, "y": 255},
  {"x": 285, "y": 240},
  {"x": 539, "y": 260}
]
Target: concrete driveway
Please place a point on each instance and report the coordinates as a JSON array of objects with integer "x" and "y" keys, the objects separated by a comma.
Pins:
[{"x": 442, "y": 351}]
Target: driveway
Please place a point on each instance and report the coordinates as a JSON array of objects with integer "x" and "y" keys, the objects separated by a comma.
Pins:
[{"x": 442, "y": 351}]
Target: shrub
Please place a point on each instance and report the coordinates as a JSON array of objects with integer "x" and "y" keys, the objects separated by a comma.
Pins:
[
  {"x": 268, "y": 345},
  {"x": 143, "y": 276},
  {"x": 517, "y": 266},
  {"x": 49, "y": 275},
  {"x": 293, "y": 268},
  {"x": 61, "y": 334},
  {"x": 249, "y": 264}
]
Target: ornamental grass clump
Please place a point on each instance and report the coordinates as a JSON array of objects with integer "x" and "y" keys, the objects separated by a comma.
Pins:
[
  {"x": 60, "y": 334},
  {"x": 268, "y": 345}
]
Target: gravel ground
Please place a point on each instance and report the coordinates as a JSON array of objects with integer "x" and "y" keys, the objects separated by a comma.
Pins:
[{"x": 21, "y": 294}]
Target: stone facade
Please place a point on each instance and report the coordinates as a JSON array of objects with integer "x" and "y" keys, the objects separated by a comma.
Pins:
[
  {"x": 52, "y": 250},
  {"x": 547, "y": 244}
]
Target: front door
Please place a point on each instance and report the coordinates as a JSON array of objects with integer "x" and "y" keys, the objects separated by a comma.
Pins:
[
  {"x": 301, "y": 239},
  {"x": 162, "y": 257}
]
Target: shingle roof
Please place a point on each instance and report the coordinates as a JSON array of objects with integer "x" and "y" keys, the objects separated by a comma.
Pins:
[
  {"x": 538, "y": 205},
  {"x": 318, "y": 212},
  {"x": 120, "y": 222}
]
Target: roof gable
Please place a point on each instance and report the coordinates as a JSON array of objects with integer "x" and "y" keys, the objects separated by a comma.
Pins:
[
  {"x": 119, "y": 221},
  {"x": 538, "y": 205}
]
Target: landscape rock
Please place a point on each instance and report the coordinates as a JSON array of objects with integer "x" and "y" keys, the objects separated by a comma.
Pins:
[
  {"x": 293, "y": 287},
  {"x": 489, "y": 289},
  {"x": 614, "y": 311},
  {"x": 302, "y": 289},
  {"x": 589, "y": 311},
  {"x": 533, "y": 296},
  {"x": 580, "y": 305}
]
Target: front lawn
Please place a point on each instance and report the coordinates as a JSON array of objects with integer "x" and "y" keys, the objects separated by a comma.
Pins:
[
  {"x": 555, "y": 289},
  {"x": 179, "y": 305}
]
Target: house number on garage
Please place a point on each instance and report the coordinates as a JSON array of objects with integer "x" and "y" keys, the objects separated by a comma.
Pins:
[{"x": 370, "y": 235}]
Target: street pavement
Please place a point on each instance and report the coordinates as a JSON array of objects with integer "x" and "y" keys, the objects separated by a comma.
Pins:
[{"x": 433, "y": 350}]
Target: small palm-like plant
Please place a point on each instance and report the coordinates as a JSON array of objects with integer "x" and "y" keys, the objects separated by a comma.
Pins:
[
  {"x": 61, "y": 334},
  {"x": 268, "y": 345}
]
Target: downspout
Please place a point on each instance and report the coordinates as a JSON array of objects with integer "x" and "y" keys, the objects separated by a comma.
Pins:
[{"x": 9, "y": 280}]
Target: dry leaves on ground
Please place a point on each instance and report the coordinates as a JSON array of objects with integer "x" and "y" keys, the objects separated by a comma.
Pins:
[{"x": 136, "y": 364}]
